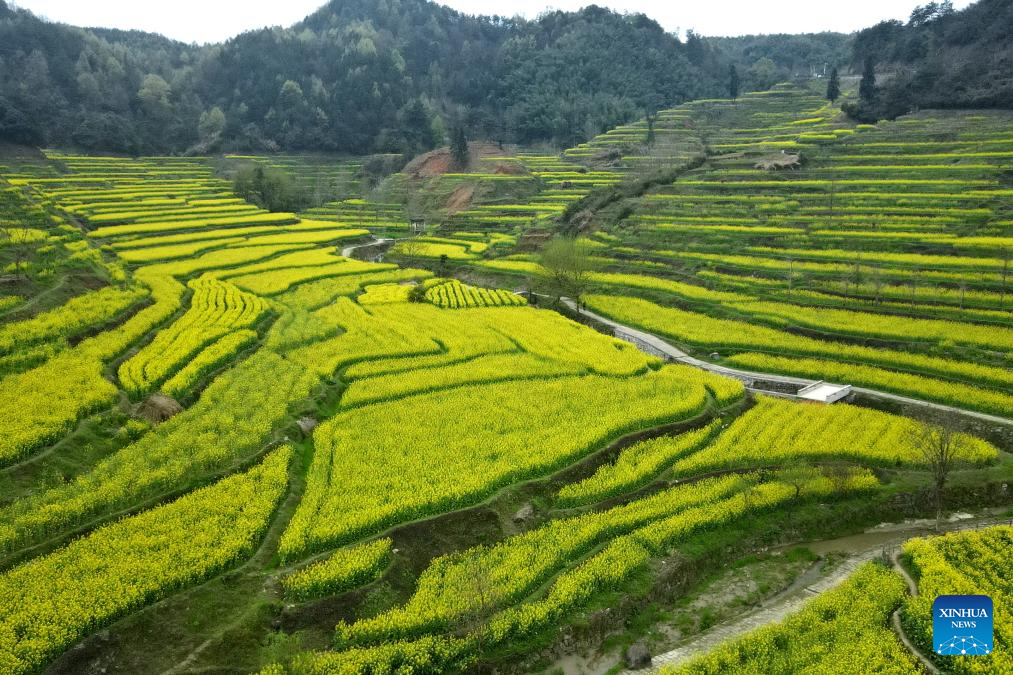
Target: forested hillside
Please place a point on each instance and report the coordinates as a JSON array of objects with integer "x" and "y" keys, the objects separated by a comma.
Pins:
[
  {"x": 363, "y": 76},
  {"x": 358, "y": 76},
  {"x": 765, "y": 60},
  {"x": 941, "y": 58}
]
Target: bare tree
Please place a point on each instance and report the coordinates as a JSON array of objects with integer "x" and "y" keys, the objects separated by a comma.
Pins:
[
  {"x": 20, "y": 242},
  {"x": 941, "y": 444},
  {"x": 797, "y": 474},
  {"x": 747, "y": 487},
  {"x": 856, "y": 274},
  {"x": 840, "y": 476},
  {"x": 480, "y": 598},
  {"x": 410, "y": 249}
]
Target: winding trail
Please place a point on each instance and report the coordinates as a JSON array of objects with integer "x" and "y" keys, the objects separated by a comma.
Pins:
[
  {"x": 898, "y": 628},
  {"x": 349, "y": 251},
  {"x": 887, "y": 542},
  {"x": 652, "y": 344}
]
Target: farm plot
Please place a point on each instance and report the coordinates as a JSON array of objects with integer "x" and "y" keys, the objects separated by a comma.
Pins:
[
  {"x": 454, "y": 294},
  {"x": 858, "y": 612},
  {"x": 969, "y": 384},
  {"x": 962, "y": 563},
  {"x": 881, "y": 254},
  {"x": 405, "y": 396},
  {"x": 500, "y": 425},
  {"x": 217, "y": 310},
  {"x": 519, "y": 564}
]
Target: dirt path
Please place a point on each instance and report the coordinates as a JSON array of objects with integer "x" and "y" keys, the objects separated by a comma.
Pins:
[
  {"x": 898, "y": 628},
  {"x": 878, "y": 543}
]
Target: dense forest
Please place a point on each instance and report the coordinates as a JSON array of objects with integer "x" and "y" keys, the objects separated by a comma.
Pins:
[
  {"x": 939, "y": 58},
  {"x": 765, "y": 60},
  {"x": 366, "y": 75},
  {"x": 396, "y": 75}
]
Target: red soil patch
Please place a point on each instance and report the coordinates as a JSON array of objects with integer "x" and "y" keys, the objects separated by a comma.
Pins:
[
  {"x": 440, "y": 161},
  {"x": 506, "y": 169},
  {"x": 460, "y": 199},
  {"x": 429, "y": 164}
]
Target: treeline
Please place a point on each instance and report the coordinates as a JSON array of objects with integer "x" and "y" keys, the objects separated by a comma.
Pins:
[
  {"x": 939, "y": 58},
  {"x": 360, "y": 76},
  {"x": 764, "y": 60}
]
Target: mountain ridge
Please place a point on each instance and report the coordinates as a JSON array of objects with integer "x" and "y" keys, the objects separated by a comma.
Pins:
[{"x": 361, "y": 76}]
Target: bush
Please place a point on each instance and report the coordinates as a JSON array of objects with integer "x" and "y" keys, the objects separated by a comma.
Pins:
[{"x": 270, "y": 189}]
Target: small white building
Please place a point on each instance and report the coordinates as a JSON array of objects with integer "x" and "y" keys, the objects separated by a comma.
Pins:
[{"x": 824, "y": 392}]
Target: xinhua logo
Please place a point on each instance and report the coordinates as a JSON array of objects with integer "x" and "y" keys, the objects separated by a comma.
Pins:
[{"x": 962, "y": 625}]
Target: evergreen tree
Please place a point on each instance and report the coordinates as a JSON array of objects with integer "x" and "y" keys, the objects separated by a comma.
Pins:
[
  {"x": 416, "y": 129},
  {"x": 652, "y": 118},
  {"x": 867, "y": 88},
  {"x": 459, "y": 146},
  {"x": 733, "y": 82},
  {"x": 833, "y": 86}
]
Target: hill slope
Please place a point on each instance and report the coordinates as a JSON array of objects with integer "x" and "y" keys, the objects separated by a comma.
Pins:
[
  {"x": 943, "y": 59},
  {"x": 361, "y": 76},
  {"x": 355, "y": 76}
]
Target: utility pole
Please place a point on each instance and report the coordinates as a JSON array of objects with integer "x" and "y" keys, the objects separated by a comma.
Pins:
[
  {"x": 833, "y": 190},
  {"x": 1005, "y": 273}
]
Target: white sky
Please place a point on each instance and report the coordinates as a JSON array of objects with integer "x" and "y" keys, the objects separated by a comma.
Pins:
[{"x": 216, "y": 20}]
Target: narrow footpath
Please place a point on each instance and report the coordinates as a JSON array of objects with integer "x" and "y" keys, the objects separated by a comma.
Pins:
[{"x": 898, "y": 628}]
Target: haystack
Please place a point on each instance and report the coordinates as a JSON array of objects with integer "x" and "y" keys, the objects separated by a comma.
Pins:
[{"x": 159, "y": 408}]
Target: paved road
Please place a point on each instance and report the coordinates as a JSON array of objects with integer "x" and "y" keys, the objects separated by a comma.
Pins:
[
  {"x": 654, "y": 345},
  {"x": 349, "y": 250}
]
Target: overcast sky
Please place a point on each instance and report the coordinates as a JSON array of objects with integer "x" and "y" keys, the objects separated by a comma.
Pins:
[{"x": 216, "y": 20}]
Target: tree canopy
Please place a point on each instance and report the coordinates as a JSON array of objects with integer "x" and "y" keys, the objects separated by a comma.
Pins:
[
  {"x": 363, "y": 76},
  {"x": 833, "y": 86},
  {"x": 940, "y": 58}
]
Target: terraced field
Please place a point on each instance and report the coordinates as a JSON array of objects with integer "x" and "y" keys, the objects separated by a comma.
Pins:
[
  {"x": 880, "y": 257},
  {"x": 237, "y": 449}
]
